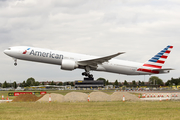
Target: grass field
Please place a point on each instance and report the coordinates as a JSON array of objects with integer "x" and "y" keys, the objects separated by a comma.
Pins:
[{"x": 166, "y": 110}]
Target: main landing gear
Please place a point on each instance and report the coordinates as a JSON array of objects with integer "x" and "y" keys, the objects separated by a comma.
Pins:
[{"x": 87, "y": 73}]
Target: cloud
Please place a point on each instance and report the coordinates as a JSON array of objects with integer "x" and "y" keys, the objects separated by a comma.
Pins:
[{"x": 140, "y": 28}]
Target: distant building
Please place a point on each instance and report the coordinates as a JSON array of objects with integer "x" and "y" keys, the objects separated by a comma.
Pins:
[{"x": 49, "y": 82}]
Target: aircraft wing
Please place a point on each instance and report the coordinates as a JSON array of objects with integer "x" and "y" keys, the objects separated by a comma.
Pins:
[{"x": 96, "y": 61}]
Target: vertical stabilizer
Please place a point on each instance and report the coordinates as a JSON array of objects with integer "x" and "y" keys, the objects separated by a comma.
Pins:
[{"x": 158, "y": 60}]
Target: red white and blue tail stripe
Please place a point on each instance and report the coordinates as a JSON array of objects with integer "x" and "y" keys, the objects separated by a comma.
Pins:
[
  {"x": 155, "y": 63},
  {"x": 159, "y": 59}
]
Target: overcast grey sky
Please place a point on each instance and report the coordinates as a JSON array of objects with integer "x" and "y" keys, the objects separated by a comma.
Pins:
[{"x": 141, "y": 28}]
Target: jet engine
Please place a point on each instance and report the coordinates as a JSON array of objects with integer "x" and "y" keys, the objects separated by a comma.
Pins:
[{"x": 68, "y": 64}]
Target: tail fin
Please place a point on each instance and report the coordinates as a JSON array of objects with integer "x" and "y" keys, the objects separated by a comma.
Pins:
[{"x": 158, "y": 60}]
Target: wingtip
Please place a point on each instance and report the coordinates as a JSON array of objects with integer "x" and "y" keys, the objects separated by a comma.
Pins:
[{"x": 121, "y": 52}]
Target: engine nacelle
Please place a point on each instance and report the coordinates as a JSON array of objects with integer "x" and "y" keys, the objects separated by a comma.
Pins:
[{"x": 68, "y": 64}]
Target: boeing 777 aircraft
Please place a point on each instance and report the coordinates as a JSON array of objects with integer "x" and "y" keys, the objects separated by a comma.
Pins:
[{"x": 71, "y": 61}]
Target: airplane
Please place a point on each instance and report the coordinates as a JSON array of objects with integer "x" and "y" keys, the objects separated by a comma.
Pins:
[{"x": 70, "y": 61}]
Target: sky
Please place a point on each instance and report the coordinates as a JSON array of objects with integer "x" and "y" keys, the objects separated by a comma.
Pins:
[{"x": 141, "y": 28}]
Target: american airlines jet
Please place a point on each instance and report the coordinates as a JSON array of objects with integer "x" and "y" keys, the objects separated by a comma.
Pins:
[{"x": 70, "y": 61}]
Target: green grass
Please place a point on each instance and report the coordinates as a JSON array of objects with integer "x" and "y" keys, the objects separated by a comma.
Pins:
[{"x": 166, "y": 110}]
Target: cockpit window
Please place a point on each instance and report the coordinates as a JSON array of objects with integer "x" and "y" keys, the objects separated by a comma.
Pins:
[{"x": 9, "y": 48}]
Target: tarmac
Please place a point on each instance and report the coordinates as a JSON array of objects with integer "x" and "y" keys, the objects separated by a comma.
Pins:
[
  {"x": 150, "y": 91},
  {"x": 158, "y": 99},
  {"x": 160, "y": 95}
]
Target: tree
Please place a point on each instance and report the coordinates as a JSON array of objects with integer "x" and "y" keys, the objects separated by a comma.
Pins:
[
  {"x": 37, "y": 83},
  {"x": 24, "y": 84},
  {"x": 120, "y": 84},
  {"x": 139, "y": 82},
  {"x": 102, "y": 79},
  {"x": 116, "y": 82},
  {"x": 0, "y": 84},
  {"x": 125, "y": 82},
  {"x": 155, "y": 81},
  {"x": 5, "y": 85},
  {"x": 168, "y": 83},
  {"x": 68, "y": 83},
  {"x": 14, "y": 85},
  {"x": 9, "y": 85},
  {"x": 72, "y": 83},
  {"x": 142, "y": 83},
  {"x": 65, "y": 83},
  {"x": 133, "y": 82},
  {"x": 20, "y": 85},
  {"x": 175, "y": 81},
  {"x": 42, "y": 83},
  {"x": 107, "y": 82},
  {"x": 60, "y": 84},
  {"x": 30, "y": 82},
  {"x": 52, "y": 83},
  {"x": 110, "y": 83}
]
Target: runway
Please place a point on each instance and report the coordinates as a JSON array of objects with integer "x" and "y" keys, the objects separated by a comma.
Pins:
[{"x": 150, "y": 91}]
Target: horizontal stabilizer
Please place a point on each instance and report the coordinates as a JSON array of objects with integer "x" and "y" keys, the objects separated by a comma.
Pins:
[{"x": 165, "y": 70}]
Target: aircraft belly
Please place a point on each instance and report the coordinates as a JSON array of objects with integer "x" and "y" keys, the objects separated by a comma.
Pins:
[
  {"x": 119, "y": 69},
  {"x": 40, "y": 59}
]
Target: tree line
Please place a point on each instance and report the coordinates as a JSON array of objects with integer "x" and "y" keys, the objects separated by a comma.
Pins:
[
  {"x": 7, "y": 85},
  {"x": 116, "y": 83},
  {"x": 173, "y": 81},
  {"x": 153, "y": 80},
  {"x": 31, "y": 82}
]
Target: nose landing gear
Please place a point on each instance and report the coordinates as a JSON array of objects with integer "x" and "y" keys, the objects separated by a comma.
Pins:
[{"x": 15, "y": 62}]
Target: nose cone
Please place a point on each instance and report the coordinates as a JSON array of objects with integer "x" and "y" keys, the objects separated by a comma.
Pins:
[{"x": 7, "y": 52}]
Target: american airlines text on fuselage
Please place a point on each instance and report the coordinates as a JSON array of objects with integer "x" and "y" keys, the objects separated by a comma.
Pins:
[{"x": 45, "y": 54}]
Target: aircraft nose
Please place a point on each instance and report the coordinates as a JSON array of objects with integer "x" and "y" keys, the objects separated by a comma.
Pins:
[{"x": 7, "y": 51}]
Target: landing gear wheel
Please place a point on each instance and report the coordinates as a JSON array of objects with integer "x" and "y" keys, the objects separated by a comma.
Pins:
[
  {"x": 15, "y": 64},
  {"x": 15, "y": 61},
  {"x": 90, "y": 76},
  {"x": 87, "y": 74}
]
